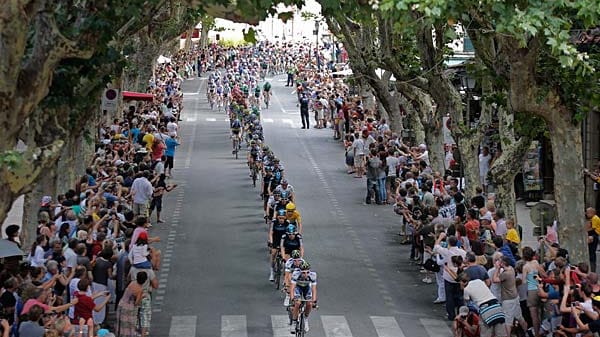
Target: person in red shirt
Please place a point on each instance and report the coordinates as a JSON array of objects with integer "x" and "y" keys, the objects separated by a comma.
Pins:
[
  {"x": 466, "y": 323},
  {"x": 472, "y": 226},
  {"x": 86, "y": 305}
]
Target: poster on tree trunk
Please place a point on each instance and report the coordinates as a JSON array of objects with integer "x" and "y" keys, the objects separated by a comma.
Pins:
[
  {"x": 532, "y": 176},
  {"x": 448, "y": 140}
]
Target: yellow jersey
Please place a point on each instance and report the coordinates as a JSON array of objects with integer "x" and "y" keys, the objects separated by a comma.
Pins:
[
  {"x": 149, "y": 140},
  {"x": 294, "y": 217},
  {"x": 595, "y": 220}
]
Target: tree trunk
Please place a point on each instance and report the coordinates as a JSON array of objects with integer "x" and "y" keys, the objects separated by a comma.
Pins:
[
  {"x": 435, "y": 146},
  {"x": 46, "y": 185},
  {"x": 204, "y": 36},
  {"x": 430, "y": 122},
  {"x": 469, "y": 160},
  {"x": 418, "y": 129},
  {"x": 505, "y": 197},
  {"x": 568, "y": 187},
  {"x": 188, "y": 39},
  {"x": 503, "y": 172},
  {"x": 359, "y": 44}
]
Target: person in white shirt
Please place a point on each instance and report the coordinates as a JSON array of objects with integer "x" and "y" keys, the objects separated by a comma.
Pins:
[
  {"x": 141, "y": 190},
  {"x": 485, "y": 161},
  {"x": 451, "y": 287},
  {"x": 477, "y": 291},
  {"x": 359, "y": 156},
  {"x": 421, "y": 154},
  {"x": 172, "y": 126},
  {"x": 36, "y": 255}
]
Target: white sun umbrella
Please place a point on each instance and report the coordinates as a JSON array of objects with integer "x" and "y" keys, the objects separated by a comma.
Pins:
[{"x": 162, "y": 59}]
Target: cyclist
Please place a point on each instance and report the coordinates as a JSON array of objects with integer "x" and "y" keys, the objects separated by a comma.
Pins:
[
  {"x": 245, "y": 90},
  {"x": 290, "y": 242},
  {"x": 257, "y": 95},
  {"x": 285, "y": 187},
  {"x": 210, "y": 92},
  {"x": 267, "y": 93},
  {"x": 304, "y": 286},
  {"x": 267, "y": 178},
  {"x": 219, "y": 94},
  {"x": 271, "y": 204},
  {"x": 278, "y": 229},
  {"x": 291, "y": 265},
  {"x": 293, "y": 216},
  {"x": 282, "y": 202},
  {"x": 236, "y": 127},
  {"x": 253, "y": 152},
  {"x": 277, "y": 171}
]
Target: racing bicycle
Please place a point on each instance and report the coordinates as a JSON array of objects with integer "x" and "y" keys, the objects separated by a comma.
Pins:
[
  {"x": 236, "y": 145},
  {"x": 278, "y": 270},
  {"x": 301, "y": 319}
]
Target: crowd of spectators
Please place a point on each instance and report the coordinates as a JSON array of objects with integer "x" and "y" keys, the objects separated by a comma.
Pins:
[
  {"x": 93, "y": 267},
  {"x": 490, "y": 284}
]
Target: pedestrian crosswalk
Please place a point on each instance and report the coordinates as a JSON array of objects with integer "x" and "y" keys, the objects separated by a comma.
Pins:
[
  {"x": 323, "y": 325},
  {"x": 284, "y": 122}
]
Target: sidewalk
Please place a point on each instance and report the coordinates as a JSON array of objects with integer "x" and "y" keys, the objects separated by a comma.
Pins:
[{"x": 524, "y": 220}]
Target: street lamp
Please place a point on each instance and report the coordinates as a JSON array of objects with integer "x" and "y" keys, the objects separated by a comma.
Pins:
[
  {"x": 317, "y": 22},
  {"x": 467, "y": 84}
]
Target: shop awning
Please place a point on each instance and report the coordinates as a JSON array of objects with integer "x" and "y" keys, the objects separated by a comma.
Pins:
[{"x": 137, "y": 96}]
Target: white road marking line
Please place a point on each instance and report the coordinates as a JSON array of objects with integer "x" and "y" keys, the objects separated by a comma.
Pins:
[
  {"x": 280, "y": 325},
  {"x": 267, "y": 120},
  {"x": 183, "y": 326},
  {"x": 210, "y": 119},
  {"x": 336, "y": 326},
  {"x": 191, "y": 119},
  {"x": 386, "y": 326},
  {"x": 435, "y": 327},
  {"x": 234, "y": 326},
  {"x": 190, "y": 93}
]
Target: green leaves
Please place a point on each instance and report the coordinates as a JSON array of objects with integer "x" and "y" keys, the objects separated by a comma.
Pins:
[
  {"x": 249, "y": 35},
  {"x": 285, "y": 16},
  {"x": 11, "y": 159}
]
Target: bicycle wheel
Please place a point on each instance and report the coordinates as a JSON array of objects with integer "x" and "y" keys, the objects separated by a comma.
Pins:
[
  {"x": 300, "y": 328},
  {"x": 254, "y": 176},
  {"x": 289, "y": 311}
]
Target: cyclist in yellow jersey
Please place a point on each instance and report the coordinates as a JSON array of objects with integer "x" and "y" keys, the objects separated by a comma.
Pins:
[{"x": 293, "y": 216}]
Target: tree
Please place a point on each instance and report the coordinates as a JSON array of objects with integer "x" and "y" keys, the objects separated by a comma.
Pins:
[
  {"x": 208, "y": 23},
  {"x": 546, "y": 76},
  {"x": 360, "y": 41},
  {"x": 36, "y": 37}
]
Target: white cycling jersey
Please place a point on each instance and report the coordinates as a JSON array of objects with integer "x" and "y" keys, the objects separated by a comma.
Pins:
[
  {"x": 293, "y": 264},
  {"x": 301, "y": 280}
]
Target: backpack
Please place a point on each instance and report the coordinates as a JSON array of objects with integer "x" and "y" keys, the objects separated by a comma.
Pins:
[{"x": 431, "y": 265}]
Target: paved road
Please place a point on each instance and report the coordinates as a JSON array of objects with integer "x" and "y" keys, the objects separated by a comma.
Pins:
[{"x": 214, "y": 277}]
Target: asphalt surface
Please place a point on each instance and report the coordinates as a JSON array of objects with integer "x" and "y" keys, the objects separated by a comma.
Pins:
[{"x": 214, "y": 280}]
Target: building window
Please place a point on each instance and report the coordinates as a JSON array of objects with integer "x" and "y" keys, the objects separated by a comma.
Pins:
[{"x": 468, "y": 45}]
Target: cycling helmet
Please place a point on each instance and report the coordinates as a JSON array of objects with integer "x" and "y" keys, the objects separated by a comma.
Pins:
[
  {"x": 284, "y": 181},
  {"x": 291, "y": 229},
  {"x": 277, "y": 192},
  {"x": 268, "y": 168},
  {"x": 281, "y": 212},
  {"x": 252, "y": 142},
  {"x": 295, "y": 254},
  {"x": 290, "y": 206},
  {"x": 305, "y": 266},
  {"x": 255, "y": 136}
]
